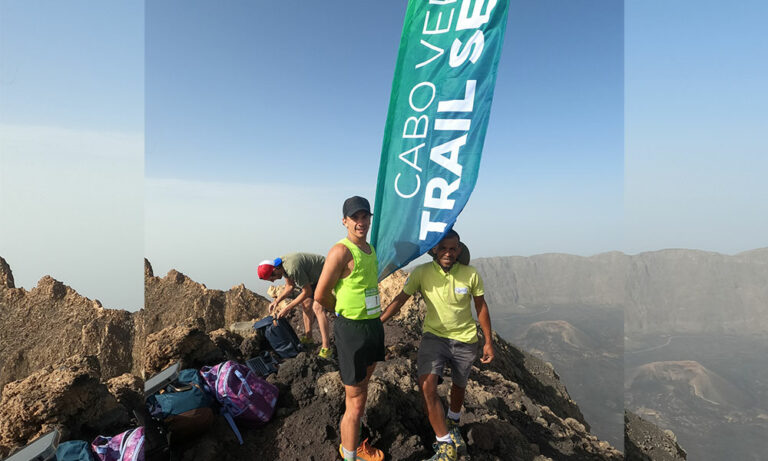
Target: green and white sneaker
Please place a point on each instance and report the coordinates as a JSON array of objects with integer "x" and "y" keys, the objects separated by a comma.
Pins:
[
  {"x": 456, "y": 438},
  {"x": 325, "y": 353},
  {"x": 444, "y": 451}
]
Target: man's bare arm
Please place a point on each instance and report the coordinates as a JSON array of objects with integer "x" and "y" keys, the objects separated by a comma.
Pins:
[
  {"x": 287, "y": 289},
  {"x": 306, "y": 292},
  {"x": 484, "y": 317},
  {"x": 335, "y": 262},
  {"x": 394, "y": 307}
]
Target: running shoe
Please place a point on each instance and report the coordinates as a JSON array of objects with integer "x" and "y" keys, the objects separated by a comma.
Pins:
[
  {"x": 453, "y": 429},
  {"x": 444, "y": 451},
  {"x": 365, "y": 452},
  {"x": 307, "y": 341},
  {"x": 325, "y": 353}
]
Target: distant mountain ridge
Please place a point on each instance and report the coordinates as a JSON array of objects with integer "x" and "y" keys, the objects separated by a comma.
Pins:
[
  {"x": 554, "y": 278},
  {"x": 665, "y": 291}
]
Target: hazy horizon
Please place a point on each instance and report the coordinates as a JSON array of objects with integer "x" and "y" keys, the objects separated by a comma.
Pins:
[
  {"x": 174, "y": 133},
  {"x": 260, "y": 286}
]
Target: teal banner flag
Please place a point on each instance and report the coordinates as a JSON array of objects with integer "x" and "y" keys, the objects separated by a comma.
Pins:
[{"x": 438, "y": 115}]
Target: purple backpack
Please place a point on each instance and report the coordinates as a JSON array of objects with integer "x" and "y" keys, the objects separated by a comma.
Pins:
[
  {"x": 127, "y": 446},
  {"x": 241, "y": 393}
]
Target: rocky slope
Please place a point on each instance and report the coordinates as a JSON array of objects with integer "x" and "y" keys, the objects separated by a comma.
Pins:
[
  {"x": 42, "y": 330},
  {"x": 643, "y": 441},
  {"x": 516, "y": 407},
  {"x": 73, "y": 374},
  {"x": 70, "y": 397},
  {"x": 51, "y": 322},
  {"x": 686, "y": 378},
  {"x": 175, "y": 298},
  {"x": 713, "y": 417}
]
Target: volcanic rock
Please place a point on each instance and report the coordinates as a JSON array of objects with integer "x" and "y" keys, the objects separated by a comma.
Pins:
[
  {"x": 188, "y": 344},
  {"x": 253, "y": 344},
  {"x": 128, "y": 390},
  {"x": 6, "y": 276},
  {"x": 516, "y": 407},
  {"x": 275, "y": 290},
  {"x": 227, "y": 342},
  {"x": 644, "y": 441},
  {"x": 68, "y": 397},
  {"x": 52, "y": 322},
  {"x": 174, "y": 299}
]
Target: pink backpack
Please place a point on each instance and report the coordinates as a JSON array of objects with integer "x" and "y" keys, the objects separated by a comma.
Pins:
[
  {"x": 242, "y": 394},
  {"x": 127, "y": 446}
]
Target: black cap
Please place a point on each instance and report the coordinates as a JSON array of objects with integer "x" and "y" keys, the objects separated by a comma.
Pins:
[{"x": 354, "y": 204}]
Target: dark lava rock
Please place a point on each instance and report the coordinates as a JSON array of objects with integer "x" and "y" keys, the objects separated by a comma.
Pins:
[
  {"x": 515, "y": 408},
  {"x": 644, "y": 441}
]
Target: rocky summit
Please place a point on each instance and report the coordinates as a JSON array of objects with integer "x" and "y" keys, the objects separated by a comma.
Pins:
[
  {"x": 175, "y": 299},
  {"x": 51, "y": 322},
  {"x": 83, "y": 378},
  {"x": 516, "y": 407}
]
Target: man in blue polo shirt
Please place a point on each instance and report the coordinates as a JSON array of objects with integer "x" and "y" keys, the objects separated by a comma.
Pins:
[{"x": 450, "y": 335}]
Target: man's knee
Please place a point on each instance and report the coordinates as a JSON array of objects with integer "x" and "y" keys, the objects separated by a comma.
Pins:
[
  {"x": 428, "y": 385},
  {"x": 355, "y": 400},
  {"x": 355, "y": 410},
  {"x": 458, "y": 389},
  {"x": 307, "y": 305},
  {"x": 318, "y": 308}
]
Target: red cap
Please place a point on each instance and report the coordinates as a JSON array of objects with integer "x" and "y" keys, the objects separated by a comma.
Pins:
[{"x": 265, "y": 269}]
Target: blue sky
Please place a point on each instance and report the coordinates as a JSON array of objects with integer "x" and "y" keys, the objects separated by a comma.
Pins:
[
  {"x": 260, "y": 118},
  {"x": 249, "y": 104},
  {"x": 696, "y": 118},
  {"x": 71, "y": 146}
]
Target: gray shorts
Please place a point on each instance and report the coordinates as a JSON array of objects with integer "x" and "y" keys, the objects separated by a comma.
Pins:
[{"x": 435, "y": 352}]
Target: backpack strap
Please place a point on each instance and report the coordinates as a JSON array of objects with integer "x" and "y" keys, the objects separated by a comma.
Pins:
[
  {"x": 265, "y": 322},
  {"x": 231, "y": 421}
]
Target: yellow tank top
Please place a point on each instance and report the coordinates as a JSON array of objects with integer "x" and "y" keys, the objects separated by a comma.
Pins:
[{"x": 357, "y": 295}]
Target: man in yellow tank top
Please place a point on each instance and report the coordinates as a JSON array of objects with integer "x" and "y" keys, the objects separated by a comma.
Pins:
[
  {"x": 450, "y": 335},
  {"x": 351, "y": 272}
]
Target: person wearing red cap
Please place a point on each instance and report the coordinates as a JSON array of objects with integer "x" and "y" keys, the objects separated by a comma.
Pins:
[
  {"x": 351, "y": 272},
  {"x": 302, "y": 271}
]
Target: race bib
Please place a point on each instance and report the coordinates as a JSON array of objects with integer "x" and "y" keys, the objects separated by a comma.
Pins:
[
  {"x": 372, "y": 303},
  {"x": 461, "y": 290}
]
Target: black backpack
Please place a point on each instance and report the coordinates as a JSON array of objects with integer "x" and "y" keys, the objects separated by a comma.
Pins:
[{"x": 281, "y": 336}]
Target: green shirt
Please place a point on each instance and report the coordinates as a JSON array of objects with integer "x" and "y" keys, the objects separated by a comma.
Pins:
[
  {"x": 447, "y": 295},
  {"x": 357, "y": 295},
  {"x": 303, "y": 268}
]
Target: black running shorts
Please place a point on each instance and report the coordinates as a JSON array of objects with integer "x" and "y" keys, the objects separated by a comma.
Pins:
[{"x": 359, "y": 344}]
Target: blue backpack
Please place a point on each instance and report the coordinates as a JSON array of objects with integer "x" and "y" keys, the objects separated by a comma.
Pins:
[
  {"x": 184, "y": 405},
  {"x": 74, "y": 450},
  {"x": 281, "y": 336}
]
